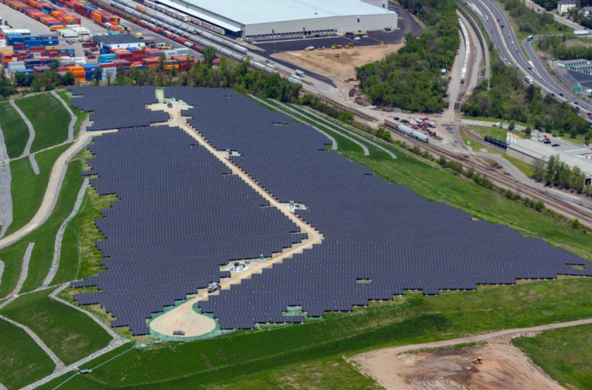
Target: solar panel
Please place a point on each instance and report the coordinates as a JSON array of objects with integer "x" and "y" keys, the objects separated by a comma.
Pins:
[{"x": 182, "y": 215}]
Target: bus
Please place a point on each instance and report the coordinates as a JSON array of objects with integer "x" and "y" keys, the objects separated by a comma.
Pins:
[
  {"x": 528, "y": 80},
  {"x": 529, "y": 38}
]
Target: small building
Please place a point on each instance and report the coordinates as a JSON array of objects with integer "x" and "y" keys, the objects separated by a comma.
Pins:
[
  {"x": 530, "y": 150},
  {"x": 584, "y": 80},
  {"x": 587, "y": 11},
  {"x": 564, "y": 6},
  {"x": 119, "y": 41}
]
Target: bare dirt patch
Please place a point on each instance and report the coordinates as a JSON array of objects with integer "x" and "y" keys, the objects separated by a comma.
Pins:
[
  {"x": 504, "y": 368},
  {"x": 326, "y": 63}
]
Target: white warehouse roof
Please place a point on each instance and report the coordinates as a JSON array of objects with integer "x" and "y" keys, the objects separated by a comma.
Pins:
[
  {"x": 572, "y": 155},
  {"x": 248, "y": 12}
]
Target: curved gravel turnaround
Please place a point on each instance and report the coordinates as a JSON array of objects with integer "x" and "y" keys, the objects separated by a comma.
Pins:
[
  {"x": 334, "y": 146},
  {"x": 34, "y": 163},
  {"x": 29, "y": 125},
  {"x": 59, "y": 364},
  {"x": 60, "y": 235},
  {"x": 5, "y": 194},
  {"x": 73, "y": 117},
  {"x": 24, "y": 271},
  {"x": 353, "y": 133}
]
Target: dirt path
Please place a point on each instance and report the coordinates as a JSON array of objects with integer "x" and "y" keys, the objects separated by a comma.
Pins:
[
  {"x": 379, "y": 364},
  {"x": 195, "y": 324}
]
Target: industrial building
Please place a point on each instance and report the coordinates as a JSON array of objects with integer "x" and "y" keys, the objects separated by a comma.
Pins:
[
  {"x": 121, "y": 41},
  {"x": 530, "y": 150},
  {"x": 272, "y": 19}
]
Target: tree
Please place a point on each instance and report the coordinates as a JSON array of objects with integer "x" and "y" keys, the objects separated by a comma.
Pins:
[
  {"x": 68, "y": 79},
  {"x": 161, "y": 62},
  {"x": 209, "y": 54},
  {"x": 575, "y": 224},
  {"x": 539, "y": 170},
  {"x": 512, "y": 126},
  {"x": 539, "y": 206},
  {"x": 442, "y": 161},
  {"x": 96, "y": 76},
  {"x": 551, "y": 169},
  {"x": 528, "y": 130}
]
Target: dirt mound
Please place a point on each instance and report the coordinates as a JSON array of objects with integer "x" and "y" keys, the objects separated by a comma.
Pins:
[{"x": 504, "y": 368}]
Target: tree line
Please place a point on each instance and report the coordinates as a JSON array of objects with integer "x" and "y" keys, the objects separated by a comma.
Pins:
[
  {"x": 511, "y": 99},
  {"x": 530, "y": 21},
  {"x": 411, "y": 78},
  {"x": 556, "y": 47},
  {"x": 560, "y": 174}
]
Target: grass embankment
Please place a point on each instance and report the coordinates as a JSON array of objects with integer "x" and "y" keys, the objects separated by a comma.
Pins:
[
  {"x": 49, "y": 119},
  {"x": 70, "y": 334},
  {"x": 14, "y": 129},
  {"x": 27, "y": 188},
  {"x": 44, "y": 238},
  {"x": 22, "y": 361},
  {"x": 82, "y": 227},
  {"x": 564, "y": 354},
  {"x": 80, "y": 115},
  {"x": 270, "y": 356}
]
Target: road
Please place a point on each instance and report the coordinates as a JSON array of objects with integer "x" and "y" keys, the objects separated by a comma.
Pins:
[
  {"x": 507, "y": 44},
  {"x": 560, "y": 19}
]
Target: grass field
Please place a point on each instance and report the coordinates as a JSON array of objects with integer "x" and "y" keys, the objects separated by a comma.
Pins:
[
  {"x": 564, "y": 354},
  {"x": 80, "y": 115},
  {"x": 265, "y": 355},
  {"x": 14, "y": 129},
  {"x": 70, "y": 334},
  {"x": 49, "y": 119},
  {"x": 44, "y": 238},
  {"x": 22, "y": 361},
  {"x": 27, "y": 188}
]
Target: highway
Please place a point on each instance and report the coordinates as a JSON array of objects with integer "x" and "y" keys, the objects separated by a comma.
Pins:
[{"x": 507, "y": 44}]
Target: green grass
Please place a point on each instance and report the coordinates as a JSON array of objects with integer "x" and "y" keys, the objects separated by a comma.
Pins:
[
  {"x": 27, "y": 188},
  {"x": 564, "y": 354},
  {"x": 49, "y": 119},
  {"x": 492, "y": 120},
  {"x": 44, "y": 238},
  {"x": 13, "y": 263},
  {"x": 16, "y": 133},
  {"x": 70, "y": 334},
  {"x": 250, "y": 356},
  {"x": 80, "y": 115},
  {"x": 22, "y": 361}
]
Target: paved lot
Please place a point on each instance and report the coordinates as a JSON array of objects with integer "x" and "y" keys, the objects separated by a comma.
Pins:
[{"x": 20, "y": 20}]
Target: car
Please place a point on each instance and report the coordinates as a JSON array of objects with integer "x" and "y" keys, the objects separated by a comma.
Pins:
[
  {"x": 552, "y": 95},
  {"x": 587, "y": 143},
  {"x": 554, "y": 135},
  {"x": 356, "y": 38},
  {"x": 502, "y": 26},
  {"x": 576, "y": 103},
  {"x": 396, "y": 118},
  {"x": 310, "y": 48},
  {"x": 364, "y": 36},
  {"x": 492, "y": 31},
  {"x": 561, "y": 94},
  {"x": 555, "y": 145},
  {"x": 577, "y": 108},
  {"x": 402, "y": 120},
  {"x": 589, "y": 113}
]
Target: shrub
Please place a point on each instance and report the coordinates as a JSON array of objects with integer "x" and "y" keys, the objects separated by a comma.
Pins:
[{"x": 575, "y": 224}]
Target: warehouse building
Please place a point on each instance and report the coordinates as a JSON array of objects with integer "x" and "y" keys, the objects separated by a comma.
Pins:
[
  {"x": 121, "y": 41},
  {"x": 273, "y": 19},
  {"x": 530, "y": 150}
]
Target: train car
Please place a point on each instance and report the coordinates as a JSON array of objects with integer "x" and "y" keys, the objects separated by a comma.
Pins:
[{"x": 496, "y": 142}]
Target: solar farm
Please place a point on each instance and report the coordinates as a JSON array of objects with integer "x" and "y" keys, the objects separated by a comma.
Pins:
[{"x": 184, "y": 215}]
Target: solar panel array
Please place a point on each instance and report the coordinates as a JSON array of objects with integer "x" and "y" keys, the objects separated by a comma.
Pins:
[
  {"x": 181, "y": 215},
  {"x": 117, "y": 107},
  {"x": 372, "y": 229}
]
